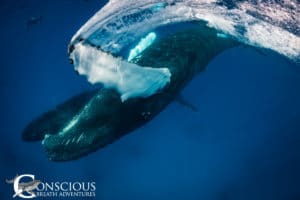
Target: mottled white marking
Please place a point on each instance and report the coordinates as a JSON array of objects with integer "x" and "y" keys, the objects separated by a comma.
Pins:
[{"x": 129, "y": 79}]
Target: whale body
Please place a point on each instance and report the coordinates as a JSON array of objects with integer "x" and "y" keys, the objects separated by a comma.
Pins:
[{"x": 135, "y": 89}]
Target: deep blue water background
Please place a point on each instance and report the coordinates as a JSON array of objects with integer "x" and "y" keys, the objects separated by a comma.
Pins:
[{"x": 244, "y": 143}]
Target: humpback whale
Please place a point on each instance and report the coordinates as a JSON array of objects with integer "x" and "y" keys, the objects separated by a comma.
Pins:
[{"x": 142, "y": 54}]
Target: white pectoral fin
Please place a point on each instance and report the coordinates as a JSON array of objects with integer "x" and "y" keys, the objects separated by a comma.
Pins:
[
  {"x": 142, "y": 81},
  {"x": 129, "y": 79}
]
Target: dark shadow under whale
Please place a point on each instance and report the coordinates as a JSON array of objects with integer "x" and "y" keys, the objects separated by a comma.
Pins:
[{"x": 97, "y": 118}]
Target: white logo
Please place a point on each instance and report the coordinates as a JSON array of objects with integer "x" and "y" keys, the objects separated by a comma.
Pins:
[{"x": 24, "y": 189}]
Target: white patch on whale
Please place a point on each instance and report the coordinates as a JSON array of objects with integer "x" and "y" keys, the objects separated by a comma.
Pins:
[{"x": 129, "y": 79}]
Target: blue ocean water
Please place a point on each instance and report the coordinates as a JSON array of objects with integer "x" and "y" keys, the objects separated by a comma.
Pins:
[{"x": 242, "y": 144}]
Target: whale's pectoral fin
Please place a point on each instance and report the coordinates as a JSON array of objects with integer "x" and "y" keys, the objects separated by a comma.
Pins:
[
  {"x": 184, "y": 102},
  {"x": 52, "y": 121},
  {"x": 129, "y": 79}
]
